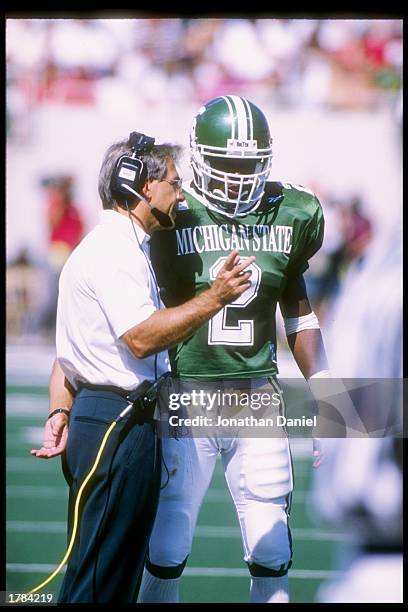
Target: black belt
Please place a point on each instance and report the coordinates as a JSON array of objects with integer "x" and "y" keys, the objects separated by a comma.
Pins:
[
  {"x": 143, "y": 406},
  {"x": 122, "y": 392}
]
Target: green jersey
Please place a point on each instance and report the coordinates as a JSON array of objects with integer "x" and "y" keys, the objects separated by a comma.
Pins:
[{"x": 283, "y": 233}]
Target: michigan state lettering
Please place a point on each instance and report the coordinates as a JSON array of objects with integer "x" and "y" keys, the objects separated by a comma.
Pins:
[{"x": 276, "y": 239}]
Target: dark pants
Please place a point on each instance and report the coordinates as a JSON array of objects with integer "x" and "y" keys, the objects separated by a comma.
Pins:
[{"x": 118, "y": 506}]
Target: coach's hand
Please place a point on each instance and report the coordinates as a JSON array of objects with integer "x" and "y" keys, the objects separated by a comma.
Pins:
[
  {"x": 55, "y": 437},
  {"x": 231, "y": 281}
]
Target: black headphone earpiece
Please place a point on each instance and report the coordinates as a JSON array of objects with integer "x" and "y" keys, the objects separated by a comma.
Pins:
[
  {"x": 130, "y": 175},
  {"x": 130, "y": 172}
]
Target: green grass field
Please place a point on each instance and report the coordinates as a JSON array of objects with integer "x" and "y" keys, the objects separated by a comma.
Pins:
[{"x": 36, "y": 520}]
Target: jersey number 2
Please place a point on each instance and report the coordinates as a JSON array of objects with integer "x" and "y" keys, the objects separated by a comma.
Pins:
[{"x": 241, "y": 334}]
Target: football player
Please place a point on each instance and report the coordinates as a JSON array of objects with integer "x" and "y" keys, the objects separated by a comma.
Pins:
[{"x": 230, "y": 204}]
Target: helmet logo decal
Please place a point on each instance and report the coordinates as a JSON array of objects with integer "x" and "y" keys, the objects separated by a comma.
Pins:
[{"x": 239, "y": 145}]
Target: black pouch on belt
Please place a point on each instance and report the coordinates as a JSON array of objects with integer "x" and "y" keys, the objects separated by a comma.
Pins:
[{"x": 143, "y": 400}]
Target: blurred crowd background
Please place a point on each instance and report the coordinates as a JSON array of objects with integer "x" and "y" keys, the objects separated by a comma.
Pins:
[
  {"x": 332, "y": 92},
  {"x": 333, "y": 63},
  {"x": 72, "y": 81}
]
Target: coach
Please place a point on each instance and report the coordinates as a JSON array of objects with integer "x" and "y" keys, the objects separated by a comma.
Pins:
[{"x": 112, "y": 335}]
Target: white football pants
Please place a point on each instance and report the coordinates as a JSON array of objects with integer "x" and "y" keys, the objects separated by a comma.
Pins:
[{"x": 259, "y": 476}]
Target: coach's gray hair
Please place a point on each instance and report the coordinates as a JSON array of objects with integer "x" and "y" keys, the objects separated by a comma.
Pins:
[{"x": 155, "y": 162}]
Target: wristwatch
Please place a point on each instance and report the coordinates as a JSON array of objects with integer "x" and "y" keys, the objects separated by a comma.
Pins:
[{"x": 57, "y": 411}]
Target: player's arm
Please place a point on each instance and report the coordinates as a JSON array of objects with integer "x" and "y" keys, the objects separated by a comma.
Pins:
[
  {"x": 304, "y": 339},
  {"x": 166, "y": 328},
  {"x": 302, "y": 328},
  {"x": 61, "y": 396}
]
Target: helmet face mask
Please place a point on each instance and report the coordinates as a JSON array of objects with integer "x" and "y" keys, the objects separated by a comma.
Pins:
[{"x": 231, "y": 155}]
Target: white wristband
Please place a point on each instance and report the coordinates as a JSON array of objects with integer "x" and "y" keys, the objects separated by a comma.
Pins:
[{"x": 297, "y": 324}]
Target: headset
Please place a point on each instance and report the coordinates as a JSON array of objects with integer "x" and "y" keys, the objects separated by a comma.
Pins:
[{"x": 130, "y": 175}]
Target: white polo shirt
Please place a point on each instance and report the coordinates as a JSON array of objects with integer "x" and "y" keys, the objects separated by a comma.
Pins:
[{"x": 106, "y": 287}]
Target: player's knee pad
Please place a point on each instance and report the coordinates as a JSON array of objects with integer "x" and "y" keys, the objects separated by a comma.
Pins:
[
  {"x": 271, "y": 557},
  {"x": 272, "y": 551},
  {"x": 165, "y": 572},
  {"x": 266, "y": 533},
  {"x": 171, "y": 538},
  {"x": 260, "y": 571}
]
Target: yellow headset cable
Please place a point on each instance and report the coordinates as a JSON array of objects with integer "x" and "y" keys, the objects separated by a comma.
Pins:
[{"x": 75, "y": 526}]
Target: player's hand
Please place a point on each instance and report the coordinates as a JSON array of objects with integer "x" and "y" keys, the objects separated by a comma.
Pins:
[
  {"x": 55, "y": 437},
  {"x": 318, "y": 454},
  {"x": 233, "y": 278}
]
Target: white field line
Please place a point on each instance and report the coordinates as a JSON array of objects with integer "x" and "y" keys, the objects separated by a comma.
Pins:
[
  {"x": 16, "y": 464},
  {"x": 21, "y": 405},
  {"x": 213, "y": 496},
  {"x": 222, "y": 496},
  {"x": 202, "y": 531},
  {"x": 26, "y": 435},
  {"x": 18, "y": 407},
  {"x": 33, "y": 492},
  {"x": 216, "y": 572},
  {"x": 231, "y": 532}
]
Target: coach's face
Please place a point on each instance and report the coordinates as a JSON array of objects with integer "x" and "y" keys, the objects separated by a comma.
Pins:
[{"x": 165, "y": 194}]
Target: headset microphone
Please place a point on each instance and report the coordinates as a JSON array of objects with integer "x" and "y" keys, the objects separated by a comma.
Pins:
[{"x": 163, "y": 218}]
